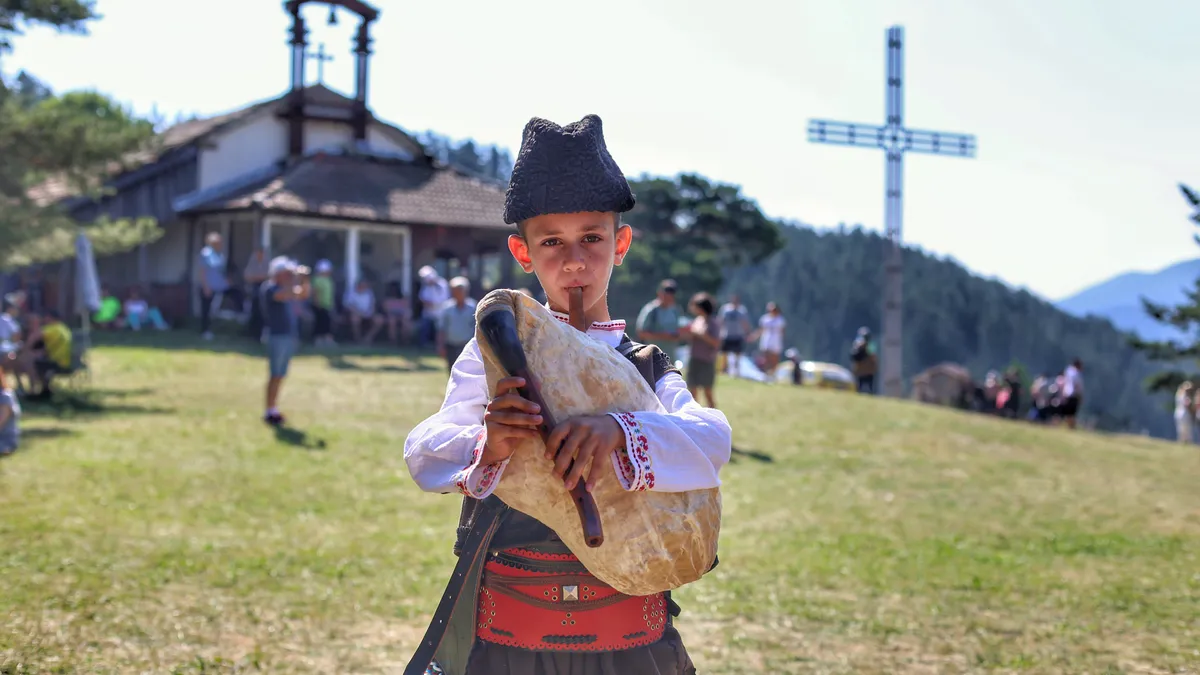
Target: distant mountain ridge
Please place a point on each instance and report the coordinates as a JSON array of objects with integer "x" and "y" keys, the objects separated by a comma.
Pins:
[{"x": 1119, "y": 298}]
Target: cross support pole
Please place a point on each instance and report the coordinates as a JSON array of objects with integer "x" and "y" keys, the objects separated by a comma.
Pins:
[{"x": 895, "y": 140}]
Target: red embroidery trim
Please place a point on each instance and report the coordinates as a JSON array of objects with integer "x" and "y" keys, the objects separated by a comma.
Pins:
[
  {"x": 488, "y": 476},
  {"x": 606, "y": 326},
  {"x": 636, "y": 453}
]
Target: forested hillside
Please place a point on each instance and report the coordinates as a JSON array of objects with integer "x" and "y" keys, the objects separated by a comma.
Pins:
[{"x": 828, "y": 284}]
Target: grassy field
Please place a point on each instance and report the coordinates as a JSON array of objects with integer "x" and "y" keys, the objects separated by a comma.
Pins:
[{"x": 154, "y": 524}]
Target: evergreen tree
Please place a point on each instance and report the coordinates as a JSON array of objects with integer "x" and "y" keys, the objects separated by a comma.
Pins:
[
  {"x": 1185, "y": 317},
  {"x": 55, "y": 146}
]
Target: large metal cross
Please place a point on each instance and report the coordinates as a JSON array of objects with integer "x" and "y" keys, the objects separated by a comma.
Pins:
[{"x": 894, "y": 139}]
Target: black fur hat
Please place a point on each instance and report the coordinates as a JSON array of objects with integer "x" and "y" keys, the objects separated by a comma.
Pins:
[{"x": 565, "y": 170}]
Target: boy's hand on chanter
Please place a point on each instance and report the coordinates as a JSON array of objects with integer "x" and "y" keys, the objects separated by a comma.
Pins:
[
  {"x": 509, "y": 420},
  {"x": 584, "y": 439}
]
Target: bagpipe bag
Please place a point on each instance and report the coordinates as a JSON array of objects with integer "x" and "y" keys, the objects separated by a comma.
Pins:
[{"x": 653, "y": 541}]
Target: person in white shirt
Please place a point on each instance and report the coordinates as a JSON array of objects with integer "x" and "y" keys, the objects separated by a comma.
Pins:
[
  {"x": 770, "y": 337},
  {"x": 1072, "y": 393},
  {"x": 434, "y": 294},
  {"x": 1185, "y": 413},
  {"x": 359, "y": 303}
]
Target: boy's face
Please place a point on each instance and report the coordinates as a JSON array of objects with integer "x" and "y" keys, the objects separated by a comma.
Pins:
[{"x": 568, "y": 250}]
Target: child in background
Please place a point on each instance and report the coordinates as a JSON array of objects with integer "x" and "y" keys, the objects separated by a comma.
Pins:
[
  {"x": 322, "y": 304},
  {"x": 10, "y": 414},
  {"x": 138, "y": 311}
]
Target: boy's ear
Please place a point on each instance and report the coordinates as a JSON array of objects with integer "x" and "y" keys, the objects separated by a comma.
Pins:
[
  {"x": 520, "y": 252},
  {"x": 624, "y": 241}
]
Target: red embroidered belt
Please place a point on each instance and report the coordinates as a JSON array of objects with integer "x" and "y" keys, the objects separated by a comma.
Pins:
[{"x": 524, "y": 602}]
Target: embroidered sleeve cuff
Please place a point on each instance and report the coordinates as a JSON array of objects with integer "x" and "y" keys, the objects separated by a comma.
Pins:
[
  {"x": 478, "y": 480},
  {"x": 632, "y": 463}
]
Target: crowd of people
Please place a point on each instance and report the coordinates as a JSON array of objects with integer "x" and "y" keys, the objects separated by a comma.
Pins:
[{"x": 1053, "y": 398}]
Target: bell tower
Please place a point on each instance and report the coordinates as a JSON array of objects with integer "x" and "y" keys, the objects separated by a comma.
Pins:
[{"x": 362, "y": 52}]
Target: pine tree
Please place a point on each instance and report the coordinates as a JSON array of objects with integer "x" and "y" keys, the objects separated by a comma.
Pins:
[
  {"x": 57, "y": 146},
  {"x": 1181, "y": 353}
]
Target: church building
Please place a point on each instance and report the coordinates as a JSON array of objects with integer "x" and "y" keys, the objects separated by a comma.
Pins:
[{"x": 310, "y": 174}]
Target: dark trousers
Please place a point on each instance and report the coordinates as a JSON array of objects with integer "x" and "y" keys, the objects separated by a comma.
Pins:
[
  {"x": 322, "y": 322},
  {"x": 866, "y": 384},
  {"x": 256, "y": 323},
  {"x": 206, "y": 302},
  {"x": 452, "y": 354}
]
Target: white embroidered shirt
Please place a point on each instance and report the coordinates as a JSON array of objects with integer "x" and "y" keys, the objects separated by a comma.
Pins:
[{"x": 681, "y": 449}]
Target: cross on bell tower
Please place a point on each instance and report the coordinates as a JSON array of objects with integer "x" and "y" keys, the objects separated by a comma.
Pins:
[{"x": 300, "y": 55}]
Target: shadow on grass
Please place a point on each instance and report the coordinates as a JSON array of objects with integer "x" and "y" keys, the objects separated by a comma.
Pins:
[
  {"x": 755, "y": 455},
  {"x": 339, "y": 361},
  {"x": 240, "y": 344},
  {"x": 45, "y": 433},
  {"x": 84, "y": 403},
  {"x": 297, "y": 438},
  {"x": 30, "y": 439}
]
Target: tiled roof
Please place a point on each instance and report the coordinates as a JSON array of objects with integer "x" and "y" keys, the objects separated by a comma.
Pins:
[
  {"x": 367, "y": 188},
  {"x": 190, "y": 131}
]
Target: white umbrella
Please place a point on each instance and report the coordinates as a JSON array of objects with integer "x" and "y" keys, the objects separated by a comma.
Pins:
[{"x": 87, "y": 282}]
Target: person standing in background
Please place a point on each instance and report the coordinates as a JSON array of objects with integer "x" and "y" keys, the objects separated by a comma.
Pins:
[
  {"x": 280, "y": 296},
  {"x": 864, "y": 362},
  {"x": 1185, "y": 412},
  {"x": 658, "y": 322},
  {"x": 213, "y": 281},
  {"x": 434, "y": 293},
  {"x": 1072, "y": 392},
  {"x": 703, "y": 340},
  {"x": 770, "y": 338},
  {"x": 735, "y": 326},
  {"x": 456, "y": 321},
  {"x": 322, "y": 304}
]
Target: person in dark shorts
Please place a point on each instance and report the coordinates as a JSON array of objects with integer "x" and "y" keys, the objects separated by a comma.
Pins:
[
  {"x": 288, "y": 285},
  {"x": 704, "y": 340},
  {"x": 735, "y": 326}
]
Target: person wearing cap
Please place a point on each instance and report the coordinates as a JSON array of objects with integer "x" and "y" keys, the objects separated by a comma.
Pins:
[
  {"x": 322, "y": 304},
  {"x": 658, "y": 322},
  {"x": 434, "y": 293},
  {"x": 456, "y": 321},
  {"x": 566, "y": 197},
  {"x": 280, "y": 296}
]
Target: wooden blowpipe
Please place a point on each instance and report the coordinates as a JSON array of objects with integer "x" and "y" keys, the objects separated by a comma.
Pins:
[{"x": 499, "y": 328}]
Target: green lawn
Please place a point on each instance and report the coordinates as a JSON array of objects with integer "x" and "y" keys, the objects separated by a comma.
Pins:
[{"x": 153, "y": 524}]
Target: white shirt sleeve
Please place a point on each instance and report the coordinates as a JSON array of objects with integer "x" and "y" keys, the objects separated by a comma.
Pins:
[
  {"x": 676, "y": 451},
  {"x": 679, "y": 450},
  {"x": 443, "y": 452}
]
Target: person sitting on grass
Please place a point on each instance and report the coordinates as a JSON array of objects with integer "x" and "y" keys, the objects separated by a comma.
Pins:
[
  {"x": 109, "y": 314},
  {"x": 138, "y": 312},
  {"x": 360, "y": 310},
  {"x": 47, "y": 351},
  {"x": 281, "y": 294},
  {"x": 10, "y": 415}
]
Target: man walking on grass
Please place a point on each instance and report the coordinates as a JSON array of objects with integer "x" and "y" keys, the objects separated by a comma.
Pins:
[{"x": 287, "y": 285}]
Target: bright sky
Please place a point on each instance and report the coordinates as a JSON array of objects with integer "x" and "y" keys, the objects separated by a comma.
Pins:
[{"x": 1084, "y": 109}]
